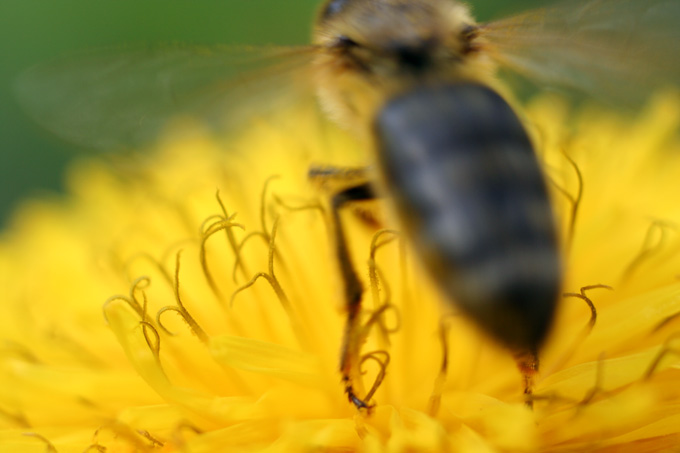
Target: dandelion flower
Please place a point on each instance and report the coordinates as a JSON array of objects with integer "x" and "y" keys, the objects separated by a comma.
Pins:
[{"x": 222, "y": 316}]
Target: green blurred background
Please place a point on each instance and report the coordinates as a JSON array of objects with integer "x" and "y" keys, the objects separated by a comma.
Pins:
[{"x": 32, "y": 31}]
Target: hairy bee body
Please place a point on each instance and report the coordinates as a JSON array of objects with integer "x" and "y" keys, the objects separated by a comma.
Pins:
[
  {"x": 455, "y": 160},
  {"x": 469, "y": 192}
]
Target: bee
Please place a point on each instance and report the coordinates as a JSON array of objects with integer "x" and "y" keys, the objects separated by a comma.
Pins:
[
  {"x": 416, "y": 81},
  {"x": 417, "y": 77}
]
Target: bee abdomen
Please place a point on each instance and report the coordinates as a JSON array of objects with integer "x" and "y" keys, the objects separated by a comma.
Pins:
[{"x": 470, "y": 193}]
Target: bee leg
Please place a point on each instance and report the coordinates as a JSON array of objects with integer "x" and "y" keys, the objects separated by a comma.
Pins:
[
  {"x": 527, "y": 362},
  {"x": 333, "y": 180},
  {"x": 347, "y": 185},
  {"x": 352, "y": 338}
]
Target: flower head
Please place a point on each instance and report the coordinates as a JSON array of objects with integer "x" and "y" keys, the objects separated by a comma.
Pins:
[{"x": 225, "y": 331}]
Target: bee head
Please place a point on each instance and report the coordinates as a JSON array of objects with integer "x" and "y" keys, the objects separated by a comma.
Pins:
[
  {"x": 372, "y": 50},
  {"x": 388, "y": 38}
]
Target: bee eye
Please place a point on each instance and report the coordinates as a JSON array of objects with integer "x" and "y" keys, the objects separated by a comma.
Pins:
[
  {"x": 468, "y": 35},
  {"x": 344, "y": 42},
  {"x": 469, "y": 32},
  {"x": 333, "y": 7}
]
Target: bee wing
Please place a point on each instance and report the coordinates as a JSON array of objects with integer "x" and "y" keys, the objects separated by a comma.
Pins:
[
  {"x": 617, "y": 50},
  {"x": 122, "y": 98}
]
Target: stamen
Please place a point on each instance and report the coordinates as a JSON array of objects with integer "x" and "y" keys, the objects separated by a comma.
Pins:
[
  {"x": 171, "y": 251},
  {"x": 239, "y": 249},
  {"x": 375, "y": 317},
  {"x": 165, "y": 309},
  {"x": 231, "y": 238},
  {"x": 649, "y": 248},
  {"x": 50, "y": 447},
  {"x": 582, "y": 295},
  {"x": 312, "y": 206},
  {"x": 181, "y": 309},
  {"x": 263, "y": 223},
  {"x": 575, "y": 201},
  {"x": 221, "y": 225},
  {"x": 209, "y": 221},
  {"x": 14, "y": 348},
  {"x": 146, "y": 256},
  {"x": 315, "y": 205},
  {"x": 178, "y": 436},
  {"x": 364, "y": 403},
  {"x": 121, "y": 431},
  {"x": 436, "y": 396},
  {"x": 154, "y": 345},
  {"x": 382, "y": 363},
  {"x": 665, "y": 350},
  {"x": 140, "y": 283},
  {"x": 147, "y": 435},
  {"x": 270, "y": 276},
  {"x": 361, "y": 336},
  {"x": 664, "y": 322},
  {"x": 17, "y": 417},
  {"x": 597, "y": 388},
  {"x": 272, "y": 252},
  {"x": 263, "y": 204},
  {"x": 403, "y": 270},
  {"x": 112, "y": 299},
  {"x": 373, "y": 273},
  {"x": 377, "y": 245},
  {"x": 381, "y": 282},
  {"x": 250, "y": 283},
  {"x": 587, "y": 329}
]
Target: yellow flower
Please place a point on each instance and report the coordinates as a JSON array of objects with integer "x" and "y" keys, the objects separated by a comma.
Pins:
[{"x": 196, "y": 354}]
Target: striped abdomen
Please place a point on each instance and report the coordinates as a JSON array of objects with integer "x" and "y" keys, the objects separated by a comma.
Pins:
[{"x": 470, "y": 193}]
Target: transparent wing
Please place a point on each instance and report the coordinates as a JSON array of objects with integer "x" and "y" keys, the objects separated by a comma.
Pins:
[
  {"x": 121, "y": 98},
  {"x": 617, "y": 50}
]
